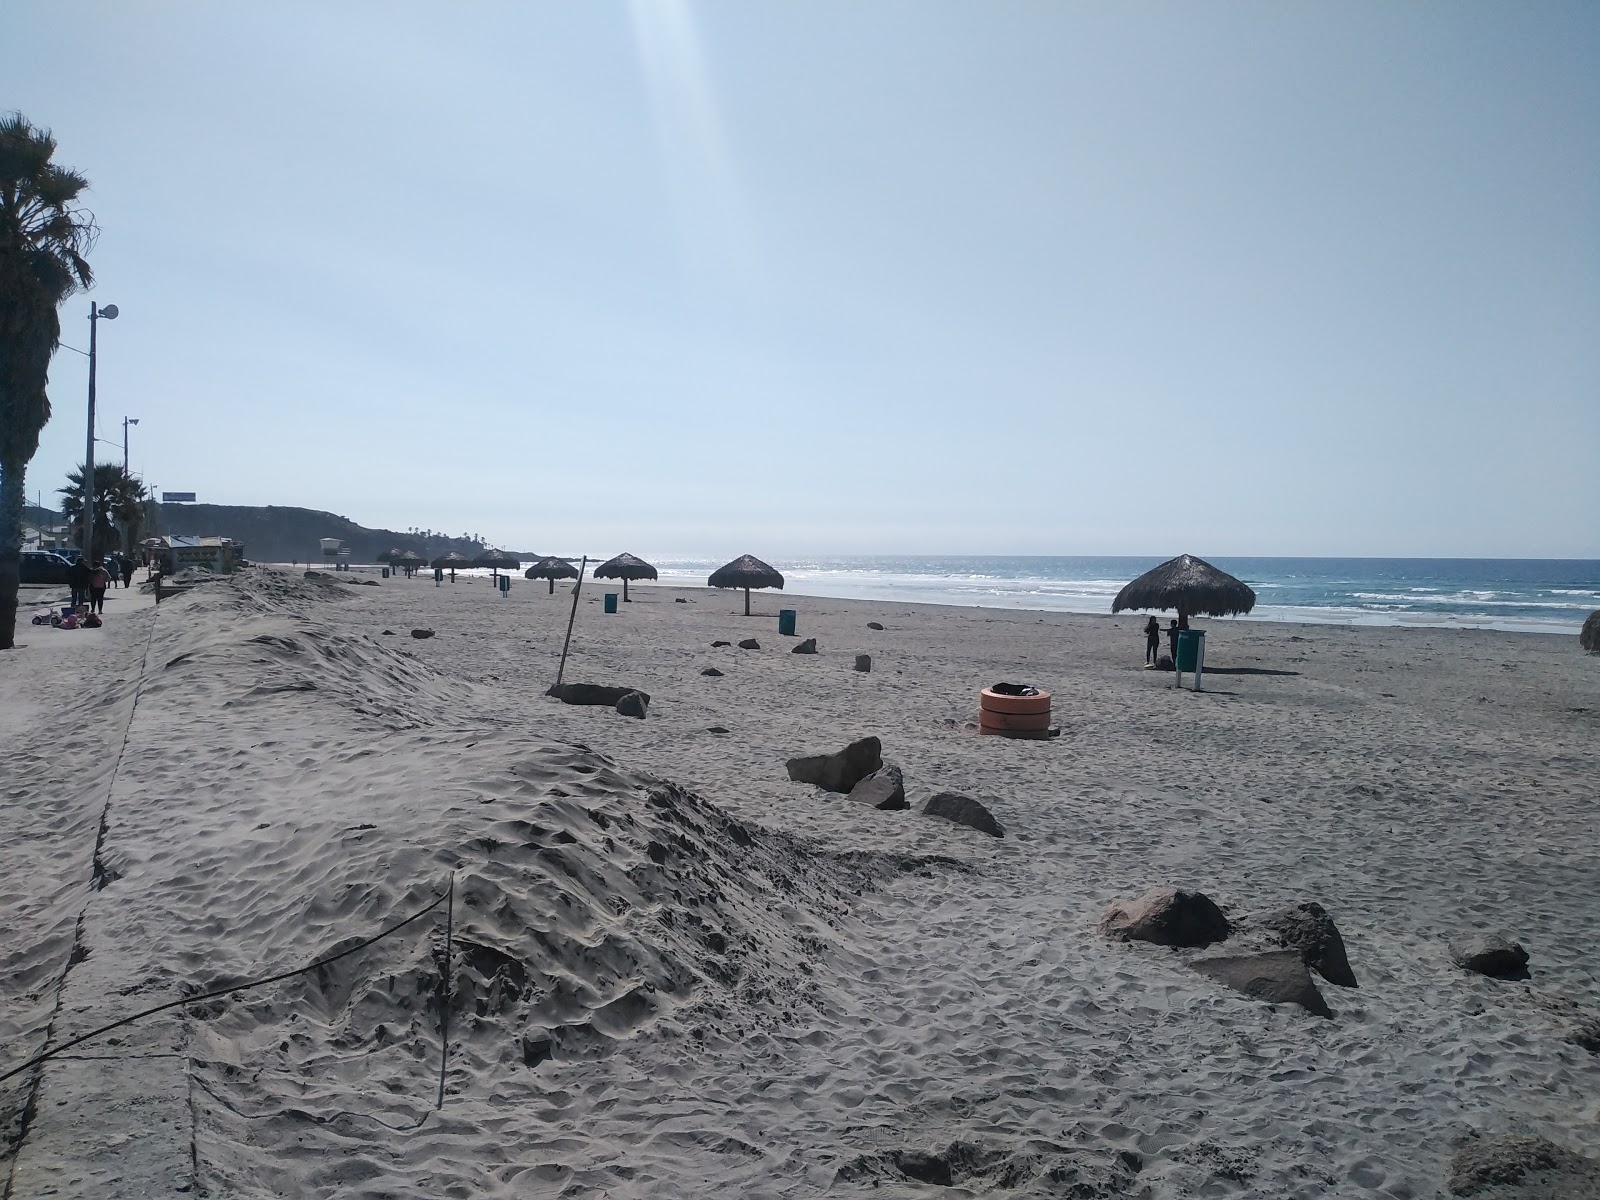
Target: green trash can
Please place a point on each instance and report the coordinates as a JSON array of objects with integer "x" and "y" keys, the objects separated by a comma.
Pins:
[
  {"x": 1191, "y": 649},
  {"x": 786, "y": 621},
  {"x": 611, "y": 602},
  {"x": 386, "y": 572}
]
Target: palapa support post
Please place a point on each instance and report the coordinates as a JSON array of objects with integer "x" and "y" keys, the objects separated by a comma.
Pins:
[
  {"x": 571, "y": 617},
  {"x": 747, "y": 602}
]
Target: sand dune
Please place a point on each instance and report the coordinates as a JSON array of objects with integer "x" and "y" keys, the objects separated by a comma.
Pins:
[{"x": 677, "y": 973}]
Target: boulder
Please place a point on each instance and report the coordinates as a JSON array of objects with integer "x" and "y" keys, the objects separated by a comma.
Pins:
[
  {"x": 963, "y": 810},
  {"x": 863, "y": 662},
  {"x": 884, "y": 788},
  {"x": 714, "y": 645},
  {"x": 1489, "y": 954},
  {"x": 1308, "y": 928},
  {"x": 593, "y": 693},
  {"x": 924, "y": 1168},
  {"x": 633, "y": 704},
  {"x": 1589, "y": 637},
  {"x": 809, "y": 646},
  {"x": 680, "y": 600},
  {"x": 388, "y": 633},
  {"x": 1166, "y": 916},
  {"x": 1164, "y": 662},
  {"x": 419, "y": 634},
  {"x": 839, "y": 772},
  {"x": 748, "y": 644},
  {"x": 1277, "y": 977},
  {"x": 1522, "y": 1167},
  {"x": 713, "y": 672},
  {"x": 716, "y": 729},
  {"x": 874, "y": 625}
]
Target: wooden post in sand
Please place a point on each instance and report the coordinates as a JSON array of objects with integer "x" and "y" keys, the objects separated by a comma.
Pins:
[{"x": 572, "y": 616}]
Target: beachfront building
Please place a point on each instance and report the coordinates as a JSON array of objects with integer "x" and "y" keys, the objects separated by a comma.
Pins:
[{"x": 178, "y": 553}]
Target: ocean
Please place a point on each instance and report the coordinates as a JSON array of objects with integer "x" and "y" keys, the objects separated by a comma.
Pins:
[{"x": 1528, "y": 595}]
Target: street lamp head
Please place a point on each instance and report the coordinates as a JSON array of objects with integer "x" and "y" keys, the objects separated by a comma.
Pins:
[
  {"x": 109, "y": 312},
  {"x": 133, "y": 420}
]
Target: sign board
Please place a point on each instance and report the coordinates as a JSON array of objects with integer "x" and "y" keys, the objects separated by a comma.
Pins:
[{"x": 177, "y": 497}]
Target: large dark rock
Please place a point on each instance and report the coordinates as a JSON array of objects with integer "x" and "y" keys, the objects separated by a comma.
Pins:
[
  {"x": 633, "y": 704},
  {"x": 874, "y": 625},
  {"x": 1278, "y": 977},
  {"x": 1166, "y": 916},
  {"x": 884, "y": 788},
  {"x": 1522, "y": 1167},
  {"x": 864, "y": 662},
  {"x": 842, "y": 771},
  {"x": 925, "y": 1168},
  {"x": 1490, "y": 954},
  {"x": 809, "y": 646},
  {"x": 1589, "y": 636},
  {"x": 714, "y": 645},
  {"x": 963, "y": 810},
  {"x": 749, "y": 644},
  {"x": 1308, "y": 928},
  {"x": 712, "y": 672},
  {"x": 419, "y": 634},
  {"x": 593, "y": 693}
]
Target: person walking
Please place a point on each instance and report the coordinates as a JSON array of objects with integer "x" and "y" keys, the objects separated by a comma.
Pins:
[
  {"x": 99, "y": 580},
  {"x": 78, "y": 578},
  {"x": 127, "y": 572},
  {"x": 1152, "y": 641},
  {"x": 1172, "y": 639}
]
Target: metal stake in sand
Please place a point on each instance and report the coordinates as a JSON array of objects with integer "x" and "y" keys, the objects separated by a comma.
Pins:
[
  {"x": 571, "y": 617},
  {"x": 444, "y": 1010}
]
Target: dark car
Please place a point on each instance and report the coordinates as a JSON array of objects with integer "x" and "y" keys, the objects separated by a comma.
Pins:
[{"x": 41, "y": 566}]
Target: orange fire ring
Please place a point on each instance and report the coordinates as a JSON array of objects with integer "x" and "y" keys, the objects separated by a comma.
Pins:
[
  {"x": 992, "y": 701},
  {"x": 1013, "y": 722}
]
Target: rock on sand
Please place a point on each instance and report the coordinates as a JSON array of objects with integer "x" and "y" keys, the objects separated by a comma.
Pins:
[
  {"x": 1166, "y": 916},
  {"x": 1277, "y": 977},
  {"x": 839, "y": 772}
]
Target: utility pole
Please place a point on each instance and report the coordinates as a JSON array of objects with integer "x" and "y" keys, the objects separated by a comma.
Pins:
[{"x": 126, "y": 421}]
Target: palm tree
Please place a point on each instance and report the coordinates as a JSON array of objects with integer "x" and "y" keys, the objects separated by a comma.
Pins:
[
  {"x": 43, "y": 238},
  {"x": 118, "y": 507}
]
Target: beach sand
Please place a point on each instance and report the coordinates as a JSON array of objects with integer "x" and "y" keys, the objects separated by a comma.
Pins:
[{"x": 677, "y": 973}]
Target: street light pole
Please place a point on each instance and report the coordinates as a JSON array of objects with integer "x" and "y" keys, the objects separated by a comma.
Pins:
[
  {"x": 109, "y": 312},
  {"x": 126, "y": 421}
]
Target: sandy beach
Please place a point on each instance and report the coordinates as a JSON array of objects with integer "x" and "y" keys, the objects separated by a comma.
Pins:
[{"x": 675, "y": 972}]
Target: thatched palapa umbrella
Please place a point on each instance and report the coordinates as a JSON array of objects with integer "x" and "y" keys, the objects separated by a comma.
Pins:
[
  {"x": 450, "y": 562},
  {"x": 497, "y": 561},
  {"x": 625, "y": 567},
  {"x": 552, "y": 569},
  {"x": 1189, "y": 584},
  {"x": 408, "y": 561},
  {"x": 388, "y": 556},
  {"x": 746, "y": 572}
]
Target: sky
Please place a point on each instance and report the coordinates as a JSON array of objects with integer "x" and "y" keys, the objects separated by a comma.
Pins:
[{"x": 787, "y": 277}]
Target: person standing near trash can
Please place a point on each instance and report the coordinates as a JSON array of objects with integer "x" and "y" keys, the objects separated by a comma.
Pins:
[
  {"x": 1152, "y": 641},
  {"x": 78, "y": 577},
  {"x": 1172, "y": 640},
  {"x": 99, "y": 580}
]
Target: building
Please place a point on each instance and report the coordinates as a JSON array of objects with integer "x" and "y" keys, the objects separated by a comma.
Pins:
[{"x": 178, "y": 553}]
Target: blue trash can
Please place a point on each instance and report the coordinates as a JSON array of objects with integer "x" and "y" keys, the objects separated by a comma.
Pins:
[
  {"x": 505, "y": 585},
  {"x": 786, "y": 621},
  {"x": 611, "y": 602}
]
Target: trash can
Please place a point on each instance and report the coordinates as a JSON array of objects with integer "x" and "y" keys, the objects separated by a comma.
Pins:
[
  {"x": 1191, "y": 655},
  {"x": 438, "y": 574},
  {"x": 786, "y": 621},
  {"x": 505, "y": 585},
  {"x": 611, "y": 602},
  {"x": 386, "y": 572}
]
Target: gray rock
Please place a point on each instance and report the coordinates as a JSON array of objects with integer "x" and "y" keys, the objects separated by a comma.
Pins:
[
  {"x": 593, "y": 693},
  {"x": 1166, "y": 916},
  {"x": 839, "y": 772},
  {"x": 809, "y": 646},
  {"x": 714, "y": 645},
  {"x": 1277, "y": 977},
  {"x": 713, "y": 672},
  {"x": 925, "y": 1168},
  {"x": 388, "y": 633},
  {"x": 419, "y": 634},
  {"x": 884, "y": 788},
  {"x": 1489, "y": 954},
  {"x": 680, "y": 600},
  {"x": 633, "y": 704},
  {"x": 1308, "y": 928},
  {"x": 749, "y": 644},
  {"x": 963, "y": 810},
  {"x": 1522, "y": 1167},
  {"x": 874, "y": 625},
  {"x": 716, "y": 729},
  {"x": 863, "y": 662},
  {"x": 1589, "y": 635}
]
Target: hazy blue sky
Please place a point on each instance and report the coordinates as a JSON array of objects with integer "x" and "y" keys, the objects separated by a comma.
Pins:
[{"x": 999, "y": 276}]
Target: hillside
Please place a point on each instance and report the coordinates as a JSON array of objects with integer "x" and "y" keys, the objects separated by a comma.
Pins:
[{"x": 276, "y": 533}]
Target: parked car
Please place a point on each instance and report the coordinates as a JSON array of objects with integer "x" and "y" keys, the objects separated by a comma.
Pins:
[{"x": 41, "y": 566}]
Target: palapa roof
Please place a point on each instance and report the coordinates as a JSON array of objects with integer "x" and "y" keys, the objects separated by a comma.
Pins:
[
  {"x": 390, "y": 555},
  {"x": 747, "y": 571},
  {"x": 551, "y": 568},
  {"x": 1589, "y": 639},
  {"x": 625, "y": 566},
  {"x": 451, "y": 560},
  {"x": 497, "y": 558},
  {"x": 408, "y": 558},
  {"x": 1190, "y": 585}
]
